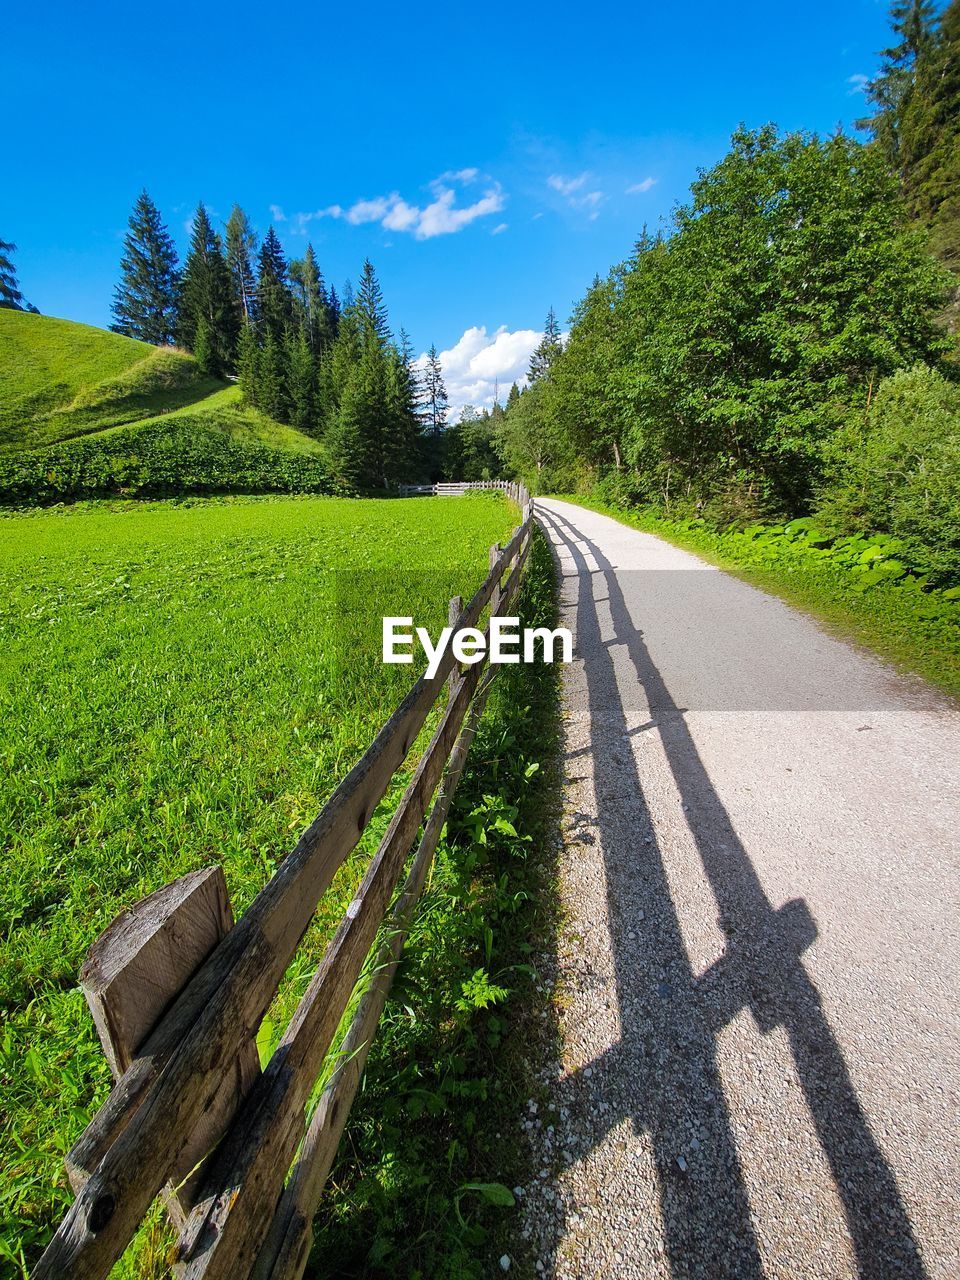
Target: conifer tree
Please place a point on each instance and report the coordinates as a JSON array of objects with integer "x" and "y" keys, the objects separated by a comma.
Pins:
[
  {"x": 435, "y": 402},
  {"x": 248, "y": 364},
  {"x": 145, "y": 301},
  {"x": 301, "y": 381},
  {"x": 10, "y": 295},
  {"x": 333, "y": 303},
  {"x": 889, "y": 91},
  {"x": 931, "y": 140},
  {"x": 402, "y": 442},
  {"x": 274, "y": 300},
  {"x": 241, "y": 249},
  {"x": 370, "y": 304},
  {"x": 272, "y": 378},
  {"x": 206, "y": 300},
  {"x": 548, "y": 349},
  {"x": 312, "y": 304},
  {"x": 513, "y": 396}
]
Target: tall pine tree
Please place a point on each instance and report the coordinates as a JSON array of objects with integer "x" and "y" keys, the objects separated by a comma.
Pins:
[
  {"x": 370, "y": 305},
  {"x": 548, "y": 349},
  {"x": 274, "y": 299},
  {"x": 889, "y": 92},
  {"x": 207, "y": 307},
  {"x": 931, "y": 140},
  {"x": 145, "y": 300},
  {"x": 241, "y": 250},
  {"x": 436, "y": 405},
  {"x": 10, "y": 295},
  {"x": 312, "y": 304}
]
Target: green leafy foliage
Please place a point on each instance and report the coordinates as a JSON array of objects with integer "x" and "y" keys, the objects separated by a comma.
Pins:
[
  {"x": 719, "y": 362},
  {"x": 896, "y": 470},
  {"x": 181, "y": 455}
]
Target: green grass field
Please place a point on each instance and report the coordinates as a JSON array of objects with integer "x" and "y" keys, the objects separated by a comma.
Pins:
[{"x": 179, "y": 684}]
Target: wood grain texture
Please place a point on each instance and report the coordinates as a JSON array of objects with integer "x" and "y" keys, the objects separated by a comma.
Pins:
[{"x": 132, "y": 973}]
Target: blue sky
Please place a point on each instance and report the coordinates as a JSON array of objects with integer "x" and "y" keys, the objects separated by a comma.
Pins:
[{"x": 490, "y": 160}]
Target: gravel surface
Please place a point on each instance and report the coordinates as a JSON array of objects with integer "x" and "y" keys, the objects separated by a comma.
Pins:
[{"x": 758, "y": 971}]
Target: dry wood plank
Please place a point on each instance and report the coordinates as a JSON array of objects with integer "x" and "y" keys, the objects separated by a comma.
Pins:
[
  {"x": 133, "y": 971},
  {"x": 226, "y": 1230},
  {"x": 139, "y": 1134}
]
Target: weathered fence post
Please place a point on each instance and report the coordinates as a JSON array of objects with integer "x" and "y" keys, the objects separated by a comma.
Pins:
[
  {"x": 494, "y": 559},
  {"x": 134, "y": 971}
]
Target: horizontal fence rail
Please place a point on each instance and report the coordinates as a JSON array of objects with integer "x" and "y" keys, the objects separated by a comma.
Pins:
[
  {"x": 178, "y": 992},
  {"x": 457, "y": 488}
]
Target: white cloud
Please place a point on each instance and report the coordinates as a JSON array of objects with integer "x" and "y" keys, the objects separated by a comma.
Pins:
[
  {"x": 639, "y": 188},
  {"x": 442, "y": 216},
  {"x": 481, "y": 365},
  {"x": 858, "y": 84},
  {"x": 566, "y": 186},
  {"x": 277, "y": 213},
  {"x": 499, "y": 228},
  {"x": 569, "y": 188}
]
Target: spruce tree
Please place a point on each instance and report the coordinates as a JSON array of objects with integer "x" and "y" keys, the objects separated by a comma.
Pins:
[
  {"x": 241, "y": 249},
  {"x": 333, "y": 303},
  {"x": 206, "y": 300},
  {"x": 370, "y": 304},
  {"x": 274, "y": 300},
  {"x": 248, "y": 364},
  {"x": 145, "y": 300},
  {"x": 301, "y": 381},
  {"x": 435, "y": 402},
  {"x": 889, "y": 92},
  {"x": 312, "y": 304},
  {"x": 512, "y": 396},
  {"x": 272, "y": 379},
  {"x": 10, "y": 295},
  {"x": 548, "y": 349},
  {"x": 354, "y": 435},
  {"x": 401, "y": 446},
  {"x": 931, "y": 140}
]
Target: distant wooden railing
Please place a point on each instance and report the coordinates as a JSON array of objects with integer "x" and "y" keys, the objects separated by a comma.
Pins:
[
  {"x": 457, "y": 488},
  {"x": 178, "y": 992}
]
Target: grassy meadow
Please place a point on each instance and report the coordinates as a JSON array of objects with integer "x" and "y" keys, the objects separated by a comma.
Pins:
[{"x": 180, "y": 683}]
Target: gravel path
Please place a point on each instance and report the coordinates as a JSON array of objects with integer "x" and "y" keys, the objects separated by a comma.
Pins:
[{"x": 758, "y": 972}]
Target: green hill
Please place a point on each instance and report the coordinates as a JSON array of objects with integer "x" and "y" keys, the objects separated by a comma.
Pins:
[
  {"x": 59, "y": 379},
  {"x": 85, "y": 413}
]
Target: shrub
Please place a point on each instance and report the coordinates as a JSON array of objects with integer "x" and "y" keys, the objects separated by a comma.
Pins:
[
  {"x": 187, "y": 455},
  {"x": 897, "y": 470}
]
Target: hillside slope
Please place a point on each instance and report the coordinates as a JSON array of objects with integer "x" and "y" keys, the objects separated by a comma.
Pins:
[
  {"x": 85, "y": 413},
  {"x": 60, "y": 379}
]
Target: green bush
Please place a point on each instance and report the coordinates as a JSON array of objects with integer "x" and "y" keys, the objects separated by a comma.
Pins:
[
  {"x": 897, "y": 470},
  {"x": 185, "y": 455}
]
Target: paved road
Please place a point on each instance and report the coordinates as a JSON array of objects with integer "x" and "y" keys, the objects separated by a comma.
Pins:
[{"x": 759, "y": 966}]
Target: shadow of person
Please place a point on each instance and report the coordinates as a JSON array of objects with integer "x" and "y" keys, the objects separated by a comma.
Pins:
[{"x": 663, "y": 1073}]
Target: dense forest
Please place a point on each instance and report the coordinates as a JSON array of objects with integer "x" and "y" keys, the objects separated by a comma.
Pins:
[
  {"x": 329, "y": 367},
  {"x": 788, "y": 343}
]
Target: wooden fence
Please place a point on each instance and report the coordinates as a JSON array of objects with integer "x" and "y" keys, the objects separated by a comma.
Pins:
[
  {"x": 457, "y": 488},
  {"x": 178, "y": 992}
]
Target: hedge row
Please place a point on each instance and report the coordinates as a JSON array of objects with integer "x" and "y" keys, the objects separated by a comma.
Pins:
[{"x": 183, "y": 456}]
